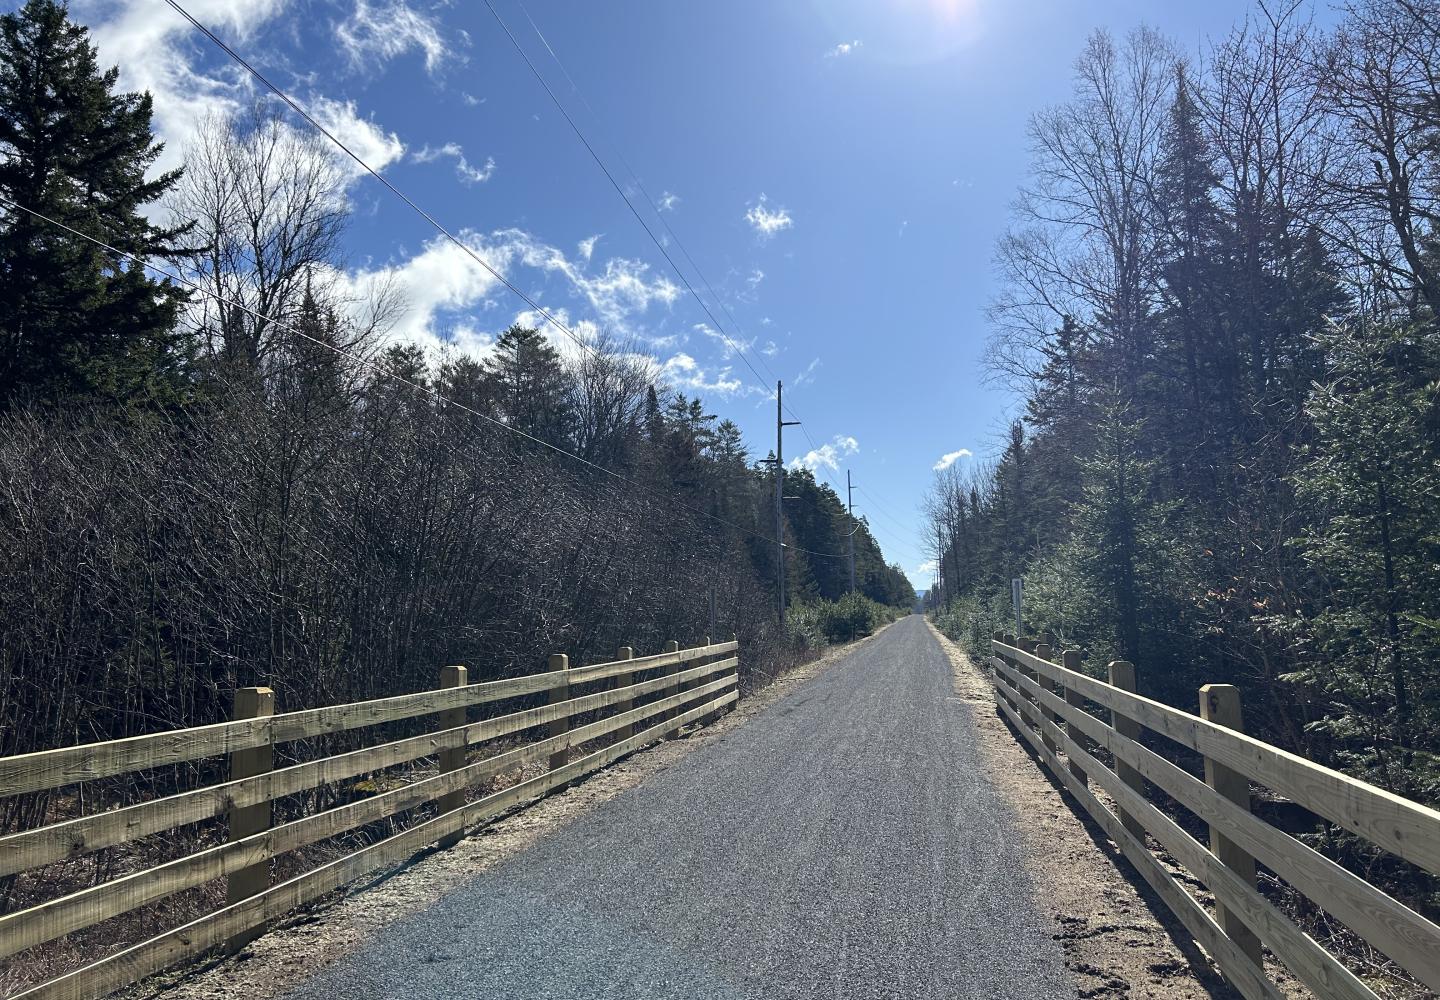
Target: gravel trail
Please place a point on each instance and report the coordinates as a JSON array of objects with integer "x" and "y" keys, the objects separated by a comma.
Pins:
[{"x": 845, "y": 843}]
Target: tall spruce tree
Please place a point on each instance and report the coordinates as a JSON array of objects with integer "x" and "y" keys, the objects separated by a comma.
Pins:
[
  {"x": 76, "y": 319},
  {"x": 530, "y": 387}
]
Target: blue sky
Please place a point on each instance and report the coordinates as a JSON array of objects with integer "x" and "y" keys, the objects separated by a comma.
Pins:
[{"x": 838, "y": 169}]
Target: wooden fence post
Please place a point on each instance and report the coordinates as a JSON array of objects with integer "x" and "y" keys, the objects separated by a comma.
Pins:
[
  {"x": 623, "y": 680},
  {"x": 1071, "y": 659},
  {"x": 1122, "y": 676},
  {"x": 1024, "y": 703},
  {"x": 1044, "y": 651},
  {"x": 453, "y": 759},
  {"x": 672, "y": 647},
  {"x": 1009, "y": 640},
  {"x": 559, "y": 693},
  {"x": 1220, "y": 704},
  {"x": 995, "y": 680},
  {"x": 245, "y": 821}
]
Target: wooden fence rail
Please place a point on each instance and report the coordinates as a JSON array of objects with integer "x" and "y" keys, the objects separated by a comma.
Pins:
[
  {"x": 1036, "y": 694},
  {"x": 684, "y": 686}
]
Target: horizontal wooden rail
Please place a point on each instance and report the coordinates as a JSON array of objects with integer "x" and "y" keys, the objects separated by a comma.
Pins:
[
  {"x": 1314, "y": 966},
  {"x": 47, "y": 845},
  {"x": 1404, "y": 828},
  {"x": 65, "y": 766},
  {"x": 1036, "y": 694},
  {"x": 1251, "y": 983},
  {"x": 68, "y": 914},
  {"x": 676, "y": 698},
  {"x": 210, "y": 931}
]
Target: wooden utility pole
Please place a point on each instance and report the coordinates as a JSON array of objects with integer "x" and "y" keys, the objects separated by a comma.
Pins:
[
  {"x": 850, "y": 507},
  {"x": 780, "y": 424}
]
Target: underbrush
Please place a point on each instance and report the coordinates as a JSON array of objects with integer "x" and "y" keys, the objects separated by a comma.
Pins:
[{"x": 816, "y": 624}]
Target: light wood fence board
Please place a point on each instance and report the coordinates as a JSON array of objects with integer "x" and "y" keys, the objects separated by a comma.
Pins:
[
  {"x": 68, "y": 765},
  {"x": 204, "y": 934},
  {"x": 89, "y": 906},
  {"x": 46, "y": 845},
  {"x": 1304, "y": 956},
  {"x": 1251, "y": 983},
  {"x": 1387, "y": 924},
  {"x": 1396, "y": 824}
]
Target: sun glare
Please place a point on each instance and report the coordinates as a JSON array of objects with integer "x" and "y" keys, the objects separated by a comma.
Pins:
[{"x": 905, "y": 31}]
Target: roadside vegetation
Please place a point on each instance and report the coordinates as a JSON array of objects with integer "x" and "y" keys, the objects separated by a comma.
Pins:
[
  {"x": 854, "y": 616},
  {"x": 256, "y": 483},
  {"x": 1219, "y": 306}
]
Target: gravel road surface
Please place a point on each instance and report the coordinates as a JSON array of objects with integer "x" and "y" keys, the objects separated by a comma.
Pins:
[{"x": 845, "y": 843}]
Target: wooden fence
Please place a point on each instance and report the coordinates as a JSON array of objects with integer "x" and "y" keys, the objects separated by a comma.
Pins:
[
  {"x": 682, "y": 687},
  {"x": 1058, "y": 709}
]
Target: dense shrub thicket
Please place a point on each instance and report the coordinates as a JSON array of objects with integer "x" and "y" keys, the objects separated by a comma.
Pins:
[{"x": 247, "y": 486}]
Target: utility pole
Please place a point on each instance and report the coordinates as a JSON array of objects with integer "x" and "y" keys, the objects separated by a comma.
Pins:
[
  {"x": 850, "y": 505},
  {"x": 780, "y": 424}
]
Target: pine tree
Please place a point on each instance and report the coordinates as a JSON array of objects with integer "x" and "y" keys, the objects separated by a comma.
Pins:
[
  {"x": 1369, "y": 483},
  {"x": 76, "y": 319},
  {"x": 1124, "y": 548},
  {"x": 531, "y": 389}
]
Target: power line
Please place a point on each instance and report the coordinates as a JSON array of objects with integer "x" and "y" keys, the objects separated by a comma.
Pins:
[
  {"x": 659, "y": 214},
  {"x": 880, "y": 509},
  {"x": 550, "y": 318},
  {"x": 381, "y": 370},
  {"x": 294, "y": 106},
  {"x": 579, "y": 134}
]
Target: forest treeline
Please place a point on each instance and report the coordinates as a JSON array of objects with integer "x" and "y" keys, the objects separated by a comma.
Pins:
[
  {"x": 252, "y": 483},
  {"x": 1219, "y": 305}
]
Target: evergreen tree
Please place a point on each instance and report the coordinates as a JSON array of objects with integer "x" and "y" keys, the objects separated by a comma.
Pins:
[
  {"x": 531, "y": 388},
  {"x": 1124, "y": 547},
  {"x": 1371, "y": 485},
  {"x": 76, "y": 319}
]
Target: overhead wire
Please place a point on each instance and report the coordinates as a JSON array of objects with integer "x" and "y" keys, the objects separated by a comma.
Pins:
[
  {"x": 393, "y": 189},
  {"x": 610, "y": 176},
  {"x": 649, "y": 199},
  {"x": 460, "y": 244},
  {"x": 881, "y": 510},
  {"x": 388, "y": 373}
]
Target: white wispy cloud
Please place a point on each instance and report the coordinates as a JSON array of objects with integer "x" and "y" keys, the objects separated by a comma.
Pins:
[
  {"x": 844, "y": 49},
  {"x": 443, "y": 286},
  {"x": 756, "y": 276},
  {"x": 377, "y": 33},
  {"x": 950, "y": 458},
  {"x": 369, "y": 140},
  {"x": 926, "y": 570},
  {"x": 765, "y": 221},
  {"x": 667, "y": 201},
  {"x": 153, "y": 51},
  {"x": 827, "y": 455},
  {"x": 464, "y": 170},
  {"x": 808, "y": 375},
  {"x": 728, "y": 346},
  {"x": 682, "y": 371}
]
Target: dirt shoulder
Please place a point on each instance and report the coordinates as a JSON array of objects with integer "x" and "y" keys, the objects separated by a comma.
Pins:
[
  {"x": 318, "y": 935},
  {"x": 1119, "y": 939}
]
